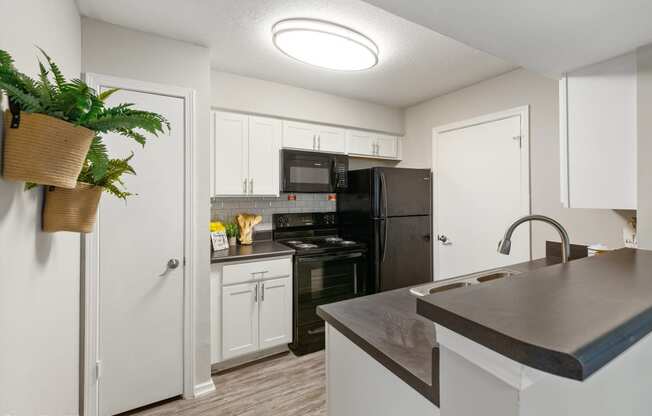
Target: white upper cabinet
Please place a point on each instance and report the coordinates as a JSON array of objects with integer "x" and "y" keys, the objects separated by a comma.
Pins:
[
  {"x": 245, "y": 155},
  {"x": 314, "y": 137},
  {"x": 264, "y": 144},
  {"x": 598, "y": 133},
  {"x": 302, "y": 136},
  {"x": 229, "y": 153},
  {"x": 373, "y": 145}
]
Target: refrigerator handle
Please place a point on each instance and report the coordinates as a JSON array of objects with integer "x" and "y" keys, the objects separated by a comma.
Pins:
[{"x": 383, "y": 186}]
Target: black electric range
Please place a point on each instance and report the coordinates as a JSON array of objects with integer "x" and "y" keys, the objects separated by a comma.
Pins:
[{"x": 327, "y": 269}]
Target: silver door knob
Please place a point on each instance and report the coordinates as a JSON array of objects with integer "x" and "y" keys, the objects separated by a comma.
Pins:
[
  {"x": 444, "y": 240},
  {"x": 173, "y": 264}
]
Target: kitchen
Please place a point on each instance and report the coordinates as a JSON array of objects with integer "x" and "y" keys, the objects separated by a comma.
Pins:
[{"x": 231, "y": 328}]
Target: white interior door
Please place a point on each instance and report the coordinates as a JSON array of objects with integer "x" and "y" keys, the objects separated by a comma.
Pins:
[
  {"x": 264, "y": 144},
  {"x": 140, "y": 333},
  {"x": 231, "y": 161},
  {"x": 275, "y": 312},
  {"x": 482, "y": 174}
]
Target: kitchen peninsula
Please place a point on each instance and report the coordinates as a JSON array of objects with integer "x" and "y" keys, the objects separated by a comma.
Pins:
[{"x": 559, "y": 339}]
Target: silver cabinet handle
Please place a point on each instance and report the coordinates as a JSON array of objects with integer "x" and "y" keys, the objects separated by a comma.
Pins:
[
  {"x": 262, "y": 292},
  {"x": 319, "y": 142},
  {"x": 244, "y": 186},
  {"x": 314, "y": 142},
  {"x": 256, "y": 293},
  {"x": 251, "y": 186},
  {"x": 171, "y": 265}
]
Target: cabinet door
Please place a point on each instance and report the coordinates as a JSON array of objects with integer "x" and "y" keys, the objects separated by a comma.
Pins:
[
  {"x": 360, "y": 143},
  {"x": 598, "y": 132},
  {"x": 387, "y": 146},
  {"x": 239, "y": 319},
  {"x": 302, "y": 136},
  {"x": 216, "y": 312},
  {"x": 230, "y": 136},
  {"x": 275, "y": 312},
  {"x": 264, "y": 144},
  {"x": 331, "y": 139}
]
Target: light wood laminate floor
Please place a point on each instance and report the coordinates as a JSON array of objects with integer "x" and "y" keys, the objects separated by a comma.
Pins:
[{"x": 282, "y": 386}]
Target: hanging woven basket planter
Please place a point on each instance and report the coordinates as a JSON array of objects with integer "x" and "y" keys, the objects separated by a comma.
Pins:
[
  {"x": 43, "y": 149},
  {"x": 71, "y": 209}
]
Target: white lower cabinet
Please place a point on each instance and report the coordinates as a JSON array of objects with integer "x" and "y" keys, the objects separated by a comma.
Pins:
[
  {"x": 255, "y": 307},
  {"x": 240, "y": 323},
  {"x": 275, "y": 308}
]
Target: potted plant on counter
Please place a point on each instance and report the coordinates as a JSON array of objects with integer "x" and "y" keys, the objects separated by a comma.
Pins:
[
  {"x": 51, "y": 123},
  {"x": 232, "y": 233}
]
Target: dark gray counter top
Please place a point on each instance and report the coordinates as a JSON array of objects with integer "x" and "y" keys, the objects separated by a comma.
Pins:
[
  {"x": 567, "y": 319},
  {"x": 258, "y": 249},
  {"x": 387, "y": 327}
]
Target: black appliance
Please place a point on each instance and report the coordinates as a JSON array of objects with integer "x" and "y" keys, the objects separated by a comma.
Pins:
[
  {"x": 326, "y": 269},
  {"x": 313, "y": 172},
  {"x": 390, "y": 209}
]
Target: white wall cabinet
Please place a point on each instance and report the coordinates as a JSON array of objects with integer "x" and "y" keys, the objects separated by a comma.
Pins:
[
  {"x": 372, "y": 145},
  {"x": 245, "y": 155},
  {"x": 251, "y": 307},
  {"x": 598, "y": 134},
  {"x": 313, "y": 137}
]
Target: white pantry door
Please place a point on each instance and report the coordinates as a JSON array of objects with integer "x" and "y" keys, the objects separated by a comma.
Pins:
[
  {"x": 140, "y": 344},
  {"x": 482, "y": 172}
]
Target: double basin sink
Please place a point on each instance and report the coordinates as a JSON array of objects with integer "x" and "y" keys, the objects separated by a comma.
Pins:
[{"x": 464, "y": 281}]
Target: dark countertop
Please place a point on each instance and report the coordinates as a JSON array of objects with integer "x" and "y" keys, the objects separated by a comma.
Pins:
[
  {"x": 387, "y": 327},
  {"x": 567, "y": 319},
  {"x": 259, "y": 249}
]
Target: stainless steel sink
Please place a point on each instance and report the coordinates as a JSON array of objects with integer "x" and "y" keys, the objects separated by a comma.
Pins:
[{"x": 464, "y": 281}]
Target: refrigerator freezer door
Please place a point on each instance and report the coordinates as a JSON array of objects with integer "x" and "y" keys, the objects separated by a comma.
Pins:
[
  {"x": 403, "y": 248},
  {"x": 402, "y": 192}
]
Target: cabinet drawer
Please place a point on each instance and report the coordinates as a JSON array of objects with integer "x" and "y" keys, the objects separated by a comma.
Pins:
[{"x": 256, "y": 270}]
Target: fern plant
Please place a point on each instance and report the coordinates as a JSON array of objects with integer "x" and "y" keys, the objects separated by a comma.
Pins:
[{"x": 77, "y": 103}]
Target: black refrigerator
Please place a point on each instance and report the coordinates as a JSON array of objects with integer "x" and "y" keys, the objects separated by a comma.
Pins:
[{"x": 390, "y": 209}]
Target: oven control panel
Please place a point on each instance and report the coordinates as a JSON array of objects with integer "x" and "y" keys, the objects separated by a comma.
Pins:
[{"x": 304, "y": 219}]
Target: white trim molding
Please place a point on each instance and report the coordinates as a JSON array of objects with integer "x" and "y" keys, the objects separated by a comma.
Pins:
[
  {"x": 90, "y": 255},
  {"x": 204, "y": 388},
  {"x": 524, "y": 113}
]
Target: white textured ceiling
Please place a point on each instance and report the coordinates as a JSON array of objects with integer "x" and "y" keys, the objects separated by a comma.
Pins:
[
  {"x": 546, "y": 36},
  {"x": 415, "y": 62}
]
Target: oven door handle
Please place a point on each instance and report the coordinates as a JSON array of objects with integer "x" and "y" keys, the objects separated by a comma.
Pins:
[{"x": 329, "y": 258}]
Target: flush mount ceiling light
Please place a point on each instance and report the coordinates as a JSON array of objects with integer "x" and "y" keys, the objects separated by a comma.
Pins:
[{"x": 324, "y": 44}]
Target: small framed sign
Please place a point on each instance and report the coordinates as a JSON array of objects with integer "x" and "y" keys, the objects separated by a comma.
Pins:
[{"x": 220, "y": 241}]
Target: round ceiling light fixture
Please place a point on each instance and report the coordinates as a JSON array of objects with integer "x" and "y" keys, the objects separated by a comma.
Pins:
[{"x": 325, "y": 44}]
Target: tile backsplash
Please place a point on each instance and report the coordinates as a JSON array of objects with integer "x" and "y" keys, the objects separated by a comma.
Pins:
[{"x": 225, "y": 209}]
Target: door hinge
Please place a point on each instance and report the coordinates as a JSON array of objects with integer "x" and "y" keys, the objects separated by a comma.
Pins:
[
  {"x": 520, "y": 140},
  {"x": 98, "y": 369}
]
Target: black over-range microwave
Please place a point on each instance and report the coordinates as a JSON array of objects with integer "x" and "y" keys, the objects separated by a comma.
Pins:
[{"x": 313, "y": 172}]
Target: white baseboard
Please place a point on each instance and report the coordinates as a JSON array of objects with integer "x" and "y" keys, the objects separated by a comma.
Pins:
[{"x": 204, "y": 388}]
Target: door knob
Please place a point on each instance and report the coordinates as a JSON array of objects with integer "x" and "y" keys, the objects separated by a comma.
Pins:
[
  {"x": 171, "y": 265},
  {"x": 444, "y": 240}
]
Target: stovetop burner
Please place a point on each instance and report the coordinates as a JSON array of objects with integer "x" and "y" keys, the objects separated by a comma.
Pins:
[
  {"x": 348, "y": 243},
  {"x": 305, "y": 246},
  {"x": 333, "y": 239}
]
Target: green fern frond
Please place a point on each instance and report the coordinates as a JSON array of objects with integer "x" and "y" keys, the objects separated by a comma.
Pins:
[
  {"x": 54, "y": 68},
  {"x": 104, "y": 95},
  {"x": 26, "y": 101}
]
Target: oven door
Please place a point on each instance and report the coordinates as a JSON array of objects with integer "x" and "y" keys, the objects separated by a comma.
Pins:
[
  {"x": 322, "y": 279},
  {"x": 307, "y": 172}
]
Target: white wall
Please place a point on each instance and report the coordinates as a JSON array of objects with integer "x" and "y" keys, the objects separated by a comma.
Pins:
[
  {"x": 644, "y": 150},
  {"x": 251, "y": 95},
  {"x": 113, "y": 50},
  {"x": 39, "y": 272},
  {"x": 507, "y": 91}
]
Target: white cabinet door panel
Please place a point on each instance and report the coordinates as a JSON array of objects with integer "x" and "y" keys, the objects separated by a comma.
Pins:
[
  {"x": 331, "y": 139},
  {"x": 230, "y": 158},
  {"x": 360, "y": 143},
  {"x": 387, "y": 146},
  {"x": 239, "y": 319},
  {"x": 275, "y": 312},
  {"x": 264, "y": 144},
  {"x": 302, "y": 136}
]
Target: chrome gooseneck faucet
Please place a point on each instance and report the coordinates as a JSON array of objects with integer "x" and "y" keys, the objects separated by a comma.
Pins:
[{"x": 505, "y": 245}]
